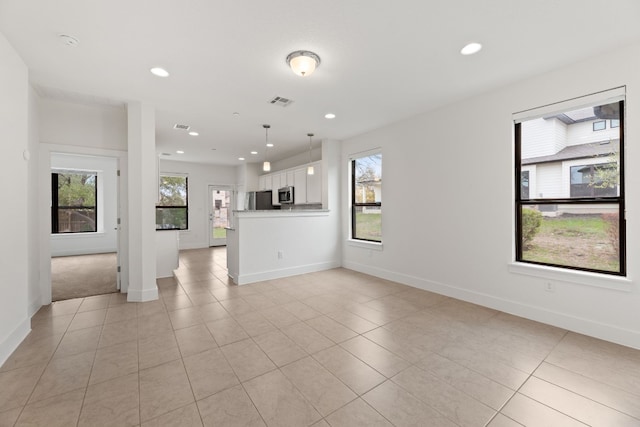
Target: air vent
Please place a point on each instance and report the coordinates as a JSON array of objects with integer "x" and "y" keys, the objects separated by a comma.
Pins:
[
  {"x": 181, "y": 127},
  {"x": 280, "y": 101}
]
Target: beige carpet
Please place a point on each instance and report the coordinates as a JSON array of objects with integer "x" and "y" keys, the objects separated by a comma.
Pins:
[{"x": 83, "y": 275}]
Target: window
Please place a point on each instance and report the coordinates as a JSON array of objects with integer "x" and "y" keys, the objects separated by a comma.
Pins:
[
  {"x": 575, "y": 219},
  {"x": 599, "y": 125},
  {"x": 614, "y": 123},
  {"x": 73, "y": 202},
  {"x": 172, "y": 212},
  {"x": 366, "y": 198}
]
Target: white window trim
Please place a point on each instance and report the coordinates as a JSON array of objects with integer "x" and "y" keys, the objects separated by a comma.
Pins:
[{"x": 586, "y": 278}]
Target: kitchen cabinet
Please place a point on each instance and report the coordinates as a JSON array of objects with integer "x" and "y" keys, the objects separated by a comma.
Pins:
[
  {"x": 314, "y": 184},
  {"x": 275, "y": 185},
  {"x": 307, "y": 188},
  {"x": 300, "y": 186}
]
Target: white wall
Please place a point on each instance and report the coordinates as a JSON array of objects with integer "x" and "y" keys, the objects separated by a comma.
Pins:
[
  {"x": 15, "y": 132},
  {"x": 33, "y": 211},
  {"x": 105, "y": 239},
  {"x": 460, "y": 159},
  {"x": 97, "y": 126},
  {"x": 200, "y": 177}
]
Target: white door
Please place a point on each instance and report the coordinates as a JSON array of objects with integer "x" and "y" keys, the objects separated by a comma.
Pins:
[{"x": 220, "y": 211}]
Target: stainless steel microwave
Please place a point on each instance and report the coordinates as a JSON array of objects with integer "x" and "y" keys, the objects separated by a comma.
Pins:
[{"x": 285, "y": 195}]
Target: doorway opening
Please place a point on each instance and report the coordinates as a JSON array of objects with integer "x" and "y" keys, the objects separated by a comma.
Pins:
[
  {"x": 220, "y": 211},
  {"x": 84, "y": 226}
]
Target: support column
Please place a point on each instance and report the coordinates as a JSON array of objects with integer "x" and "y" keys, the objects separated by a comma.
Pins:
[{"x": 142, "y": 199}]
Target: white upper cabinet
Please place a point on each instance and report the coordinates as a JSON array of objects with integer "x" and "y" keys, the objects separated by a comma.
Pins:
[
  {"x": 306, "y": 188},
  {"x": 314, "y": 184},
  {"x": 300, "y": 186}
]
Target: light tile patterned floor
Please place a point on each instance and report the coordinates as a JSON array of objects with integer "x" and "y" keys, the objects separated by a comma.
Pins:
[{"x": 335, "y": 348}]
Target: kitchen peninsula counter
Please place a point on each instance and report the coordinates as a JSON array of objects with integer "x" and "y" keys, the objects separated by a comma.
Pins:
[{"x": 275, "y": 243}]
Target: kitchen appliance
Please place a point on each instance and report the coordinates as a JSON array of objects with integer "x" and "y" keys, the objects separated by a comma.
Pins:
[
  {"x": 285, "y": 195},
  {"x": 258, "y": 200}
]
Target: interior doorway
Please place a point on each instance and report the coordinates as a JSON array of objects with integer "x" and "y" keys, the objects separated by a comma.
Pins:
[
  {"x": 220, "y": 211},
  {"x": 84, "y": 225}
]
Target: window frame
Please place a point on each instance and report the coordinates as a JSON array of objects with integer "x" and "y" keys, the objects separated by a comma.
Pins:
[
  {"x": 604, "y": 125},
  {"x": 55, "y": 203},
  {"x": 355, "y": 205},
  {"x": 185, "y": 206},
  {"x": 605, "y": 200}
]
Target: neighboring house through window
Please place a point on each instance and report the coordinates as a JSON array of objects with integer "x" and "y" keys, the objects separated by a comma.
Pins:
[
  {"x": 73, "y": 201},
  {"x": 366, "y": 198},
  {"x": 172, "y": 211},
  {"x": 570, "y": 189}
]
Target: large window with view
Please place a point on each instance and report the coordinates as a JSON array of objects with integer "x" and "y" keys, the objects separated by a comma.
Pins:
[
  {"x": 366, "y": 198},
  {"x": 172, "y": 211},
  {"x": 570, "y": 189},
  {"x": 74, "y": 197}
]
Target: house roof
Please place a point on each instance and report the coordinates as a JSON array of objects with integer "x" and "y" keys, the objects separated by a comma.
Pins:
[{"x": 594, "y": 149}]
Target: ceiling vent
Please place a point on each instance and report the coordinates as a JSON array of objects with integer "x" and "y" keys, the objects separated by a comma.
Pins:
[
  {"x": 280, "y": 101},
  {"x": 181, "y": 127}
]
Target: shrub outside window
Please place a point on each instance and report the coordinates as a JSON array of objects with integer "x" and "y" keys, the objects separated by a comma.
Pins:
[
  {"x": 74, "y": 202},
  {"x": 172, "y": 212},
  {"x": 366, "y": 198},
  {"x": 570, "y": 213}
]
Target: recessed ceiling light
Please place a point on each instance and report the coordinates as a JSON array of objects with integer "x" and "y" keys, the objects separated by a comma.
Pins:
[
  {"x": 240, "y": 158},
  {"x": 180, "y": 152},
  {"x": 160, "y": 72},
  {"x": 254, "y": 152},
  {"x": 236, "y": 114},
  {"x": 269, "y": 145},
  {"x": 329, "y": 116},
  {"x": 193, "y": 133},
  {"x": 471, "y": 48}
]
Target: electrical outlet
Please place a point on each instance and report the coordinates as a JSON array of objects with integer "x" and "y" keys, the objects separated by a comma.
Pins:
[
  {"x": 280, "y": 255},
  {"x": 549, "y": 287}
]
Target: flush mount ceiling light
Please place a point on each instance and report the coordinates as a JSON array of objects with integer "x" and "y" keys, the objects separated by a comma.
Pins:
[
  {"x": 194, "y": 133},
  {"x": 310, "y": 170},
  {"x": 254, "y": 152},
  {"x": 180, "y": 152},
  {"x": 266, "y": 166},
  {"x": 303, "y": 62},
  {"x": 160, "y": 72},
  {"x": 241, "y": 158},
  {"x": 329, "y": 116},
  {"x": 471, "y": 48}
]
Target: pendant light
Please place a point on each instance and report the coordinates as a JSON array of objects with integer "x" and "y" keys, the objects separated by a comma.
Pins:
[
  {"x": 310, "y": 170},
  {"x": 266, "y": 166}
]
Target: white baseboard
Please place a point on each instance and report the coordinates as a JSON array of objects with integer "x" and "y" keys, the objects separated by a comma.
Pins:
[
  {"x": 142, "y": 295},
  {"x": 14, "y": 339},
  {"x": 244, "y": 279},
  {"x": 33, "y": 308},
  {"x": 580, "y": 325}
]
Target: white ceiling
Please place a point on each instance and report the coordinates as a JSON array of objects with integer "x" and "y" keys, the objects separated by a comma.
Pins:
[{"x": 382, "y": 61}]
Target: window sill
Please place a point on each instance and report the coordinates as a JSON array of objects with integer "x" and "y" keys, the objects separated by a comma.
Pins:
[
  {"x": 365, "y": 244},
  {"x": 77, "y": 235},
  {"x": 597, "y": 280}
]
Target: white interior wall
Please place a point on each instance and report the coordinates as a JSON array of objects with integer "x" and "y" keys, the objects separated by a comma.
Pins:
[
  {"x": 105, "y": 240},
  {"x": 200, "y": 177},
  {"x": 15, "y": 269},
  {"x": 448, "y": 205},
  {"x": 35, "y": 294},
  {"x": 97, "y": 126}
]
